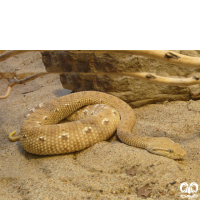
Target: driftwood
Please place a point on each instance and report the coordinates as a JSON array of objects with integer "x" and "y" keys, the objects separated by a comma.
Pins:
[{"x": 166, "y": 56}]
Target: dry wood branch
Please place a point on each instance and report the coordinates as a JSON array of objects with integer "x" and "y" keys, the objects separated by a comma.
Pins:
[
  {"x": 166, "y": 56},
  {"x": 141, "y": 75},
  {"x": 154, "y": 78},
  {"x": 22, "y": 81},
  {"x": 7, "y": 93}
]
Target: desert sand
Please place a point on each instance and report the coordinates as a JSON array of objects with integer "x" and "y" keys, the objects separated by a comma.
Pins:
[{"x": 103, "y": 170}]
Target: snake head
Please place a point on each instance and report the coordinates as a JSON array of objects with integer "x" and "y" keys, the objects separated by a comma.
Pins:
[{"x": 165, "y": 147}]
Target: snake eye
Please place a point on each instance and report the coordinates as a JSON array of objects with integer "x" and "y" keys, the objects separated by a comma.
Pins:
[{"x": 170, "y": 151}]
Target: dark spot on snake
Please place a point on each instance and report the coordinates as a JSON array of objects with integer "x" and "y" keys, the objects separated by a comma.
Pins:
[
  {"x": 106, "y": 122},
  {"x": 64, "y": 137},
  {"x": 41, "y": 139},
  {"x": 89, "y": 130},
  {"x": 85, "y": 112},
  {"x": 170, "y": 151},
  {"x": 150, "y": 76}
]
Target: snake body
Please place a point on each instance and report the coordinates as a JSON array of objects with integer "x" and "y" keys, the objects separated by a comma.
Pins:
[{"x": 41, "y": 134}]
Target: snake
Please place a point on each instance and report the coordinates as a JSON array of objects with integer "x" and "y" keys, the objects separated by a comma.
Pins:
[{"x": 102, "y": 114}]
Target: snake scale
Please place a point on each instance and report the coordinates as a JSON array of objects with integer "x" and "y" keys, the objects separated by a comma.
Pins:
[{"x": 41, "y": 134}]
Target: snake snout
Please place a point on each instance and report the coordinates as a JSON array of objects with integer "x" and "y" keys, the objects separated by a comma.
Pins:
[{"x": 166, "y": 147}]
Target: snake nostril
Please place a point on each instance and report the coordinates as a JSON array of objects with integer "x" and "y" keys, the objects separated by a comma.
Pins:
[{"x": 171, "y": 151}]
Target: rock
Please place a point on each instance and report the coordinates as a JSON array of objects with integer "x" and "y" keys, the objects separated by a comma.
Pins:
[
  {"x": 2, "y": 51},
  {"x": 134, "y": 91}
]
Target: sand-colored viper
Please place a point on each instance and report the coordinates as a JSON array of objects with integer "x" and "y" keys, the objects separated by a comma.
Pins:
[{"x": 41, "y": 134}]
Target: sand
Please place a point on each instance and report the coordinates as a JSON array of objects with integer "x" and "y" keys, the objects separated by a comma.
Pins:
[{"x": 99, "y": 172}]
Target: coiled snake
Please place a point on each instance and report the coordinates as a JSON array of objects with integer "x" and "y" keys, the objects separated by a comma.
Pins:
[{"x": 41, "y": 134}]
